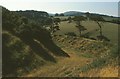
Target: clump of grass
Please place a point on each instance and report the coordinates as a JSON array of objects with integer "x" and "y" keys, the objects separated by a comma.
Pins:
[
  {"x": 88, "y": 55},
  {"x": 114, "y": 52},
  {"x": 95, "y": 64},
  {"x": 102, "y": 61},
  {"x": 68, "y": 72},
  {"x": 71, "y": 34}
]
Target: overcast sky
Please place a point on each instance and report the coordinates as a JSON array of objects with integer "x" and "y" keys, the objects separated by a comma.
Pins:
[{"x": 110, "y": 7}]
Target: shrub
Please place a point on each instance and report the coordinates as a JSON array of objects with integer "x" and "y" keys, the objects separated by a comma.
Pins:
[
  {"x": 15, "y": 54},
  {"x": 71, "y": 34}
]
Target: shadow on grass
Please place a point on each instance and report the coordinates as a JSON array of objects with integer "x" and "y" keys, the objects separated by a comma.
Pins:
[
  {"x": 37, "y": 48},
  {"x": 46, "y": 40},
  {"x": 49, "y": 44}
]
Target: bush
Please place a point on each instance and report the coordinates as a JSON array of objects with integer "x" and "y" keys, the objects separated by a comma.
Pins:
[
  {"x": 114, "y": 52},
  {"x": 15, "y": 54},
  {"x": 104, "y": 38},
  {"x": 71, "y": 34},
  {"x": 95, "y": 64}
]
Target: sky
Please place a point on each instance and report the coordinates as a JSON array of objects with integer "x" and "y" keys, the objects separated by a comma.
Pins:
[{"x": 109, "y": 7}]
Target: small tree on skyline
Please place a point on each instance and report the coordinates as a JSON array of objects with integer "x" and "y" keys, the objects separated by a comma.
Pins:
[
  {"x": 78, "y": 20},
  {"x": 69, "y": 19},
  {"x": 99, "y": 20},
  {"x": 56, "y": 14},
  {"x": 87, "y": 15}
]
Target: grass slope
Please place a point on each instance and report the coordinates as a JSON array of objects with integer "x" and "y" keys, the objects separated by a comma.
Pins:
[
  {"x": 110, "y": 30},
  {"x": 25, "y": 45},
  {"x": 80, "y": 62}
]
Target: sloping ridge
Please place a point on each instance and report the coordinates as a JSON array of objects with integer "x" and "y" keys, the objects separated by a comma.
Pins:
[
  {"x": 70, "y": 67},
  {"x": 26, "y": 49}
]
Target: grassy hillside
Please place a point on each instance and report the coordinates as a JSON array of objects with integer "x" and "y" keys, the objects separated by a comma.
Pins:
[
  {"x": 31, "y": 50},
  {"x": 14, "y": 51},
  {"x": 25, "y": 45},
  {"x": 88, "y": 58},
  {"x": 110, "y": 30}
]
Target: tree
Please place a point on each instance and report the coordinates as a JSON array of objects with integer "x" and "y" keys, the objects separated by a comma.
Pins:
[
  {"x": 25, "y": 20},
  {"x": 87, "y": 15},
  {"x": 117, "y": 21},
  {"x": 61, "y": 14},
  {"x": 48, "y": 21},
  {"x": 56, "y": 22},
  {"x": 98, "y": 19},
  {"x": 56, "y": 14},
  {"x": 78, "y": 20},
  {"x": 71, "y": 34},
  {"x": 69, "y": 19}
]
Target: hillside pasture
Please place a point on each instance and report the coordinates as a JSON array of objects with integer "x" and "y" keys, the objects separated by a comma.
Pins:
[{"x": 110, "y": 30}]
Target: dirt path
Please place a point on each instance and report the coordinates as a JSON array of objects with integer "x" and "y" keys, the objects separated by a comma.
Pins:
[{"x": 64, "y": 66}]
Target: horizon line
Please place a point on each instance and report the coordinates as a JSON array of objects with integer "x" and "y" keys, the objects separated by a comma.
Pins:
[{"x": 68, "y": 11}]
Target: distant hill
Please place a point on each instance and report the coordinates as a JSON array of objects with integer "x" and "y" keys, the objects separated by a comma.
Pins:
[
  {"x": 51, "y": 14},
  {"x": 73, "y": 13},
  {"x": 77, "y": 13},
  {"x": 107, "y": 18}
]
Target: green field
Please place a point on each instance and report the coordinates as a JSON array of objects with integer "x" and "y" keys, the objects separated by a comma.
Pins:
[{"x": 110, "y": 30}]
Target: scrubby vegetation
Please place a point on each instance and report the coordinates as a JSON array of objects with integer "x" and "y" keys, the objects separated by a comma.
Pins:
[
  {"x": 26, "y": 45},
  {"x": 101, "y": 53}
]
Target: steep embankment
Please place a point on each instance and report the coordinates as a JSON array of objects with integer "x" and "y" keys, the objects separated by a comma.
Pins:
[
  {"x": 25, "y": 45},
  {"x": 87, "y": 58}
]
